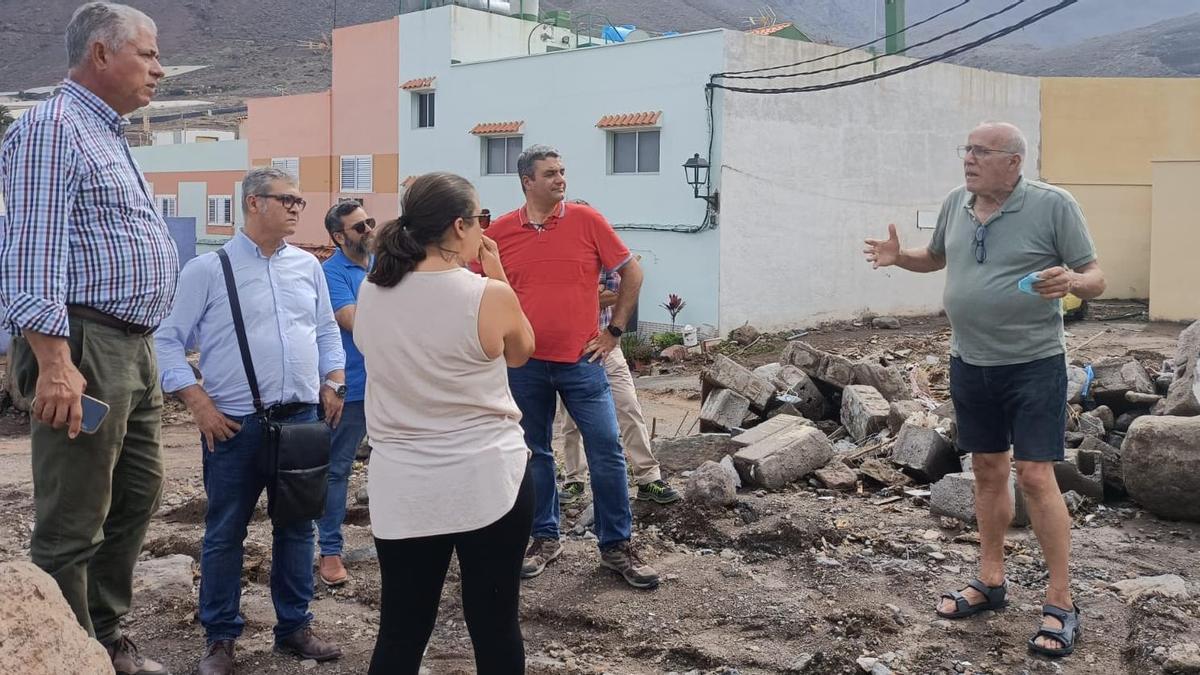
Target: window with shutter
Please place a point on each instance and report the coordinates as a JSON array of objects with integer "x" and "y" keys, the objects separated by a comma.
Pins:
[
  {"x": 289, "y": 164},
  {"x": 167, "y": 206},
  {"x": 356, "y": 173},
  {"x": 220, "y": 210}
]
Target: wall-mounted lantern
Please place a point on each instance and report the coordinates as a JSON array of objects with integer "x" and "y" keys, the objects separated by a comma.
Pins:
[{"x": 695, "y": 171}]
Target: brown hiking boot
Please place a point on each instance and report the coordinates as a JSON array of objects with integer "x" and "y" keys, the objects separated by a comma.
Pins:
[
  {"x": 218, "y": 659},
  {"x": 127, "y": 661},
  {"x": 540, "y": 553},
  {"x": 332, "y": 571},
  {"x": 624, "y": 560},
  {"x": 306, "y": 645}
]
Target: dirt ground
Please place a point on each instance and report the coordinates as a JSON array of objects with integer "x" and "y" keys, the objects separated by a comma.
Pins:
[{"x": 799, "y": 580}]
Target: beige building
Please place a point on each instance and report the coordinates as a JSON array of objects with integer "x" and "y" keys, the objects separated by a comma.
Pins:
[{"x": 1129, "y": 150}]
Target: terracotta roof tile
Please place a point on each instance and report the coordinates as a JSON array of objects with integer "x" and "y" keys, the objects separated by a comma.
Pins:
[
  {"x": 641, "y": 119},
  {"x": 419, "y": 83},
  {"x": 770, "y": 30},
  {"x": 493, "y": 128}
]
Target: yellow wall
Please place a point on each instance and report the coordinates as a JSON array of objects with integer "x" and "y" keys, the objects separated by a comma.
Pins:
[
  {"x": 1118, "y": 217},
  {"x": 1174, "y": 292},
  {"x": 1108, "y": 130},
  {"x": 1100, "y": 138}
]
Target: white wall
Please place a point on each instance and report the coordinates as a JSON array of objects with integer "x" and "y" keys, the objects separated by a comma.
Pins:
[
  {"x": 806, "y": 177},
  {"x": 560, "y": 96},
  {"x": 192, "y": 136},
  {"x": 477, "y": 35},
  {"x": 192, "y": 157}
]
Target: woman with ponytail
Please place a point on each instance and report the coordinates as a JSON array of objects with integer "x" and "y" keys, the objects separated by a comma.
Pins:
[{"x": 448, "y": 461}]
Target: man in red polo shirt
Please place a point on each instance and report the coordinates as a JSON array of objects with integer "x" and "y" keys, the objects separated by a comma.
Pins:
[{"x": 553, "y": 253}]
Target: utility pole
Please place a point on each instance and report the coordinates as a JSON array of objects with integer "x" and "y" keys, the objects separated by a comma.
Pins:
[{"x": 893, "y": 11}]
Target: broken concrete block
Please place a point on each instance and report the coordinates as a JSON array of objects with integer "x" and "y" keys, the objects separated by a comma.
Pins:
[
  {"x": 923, "y": 449},
  {"x": 885, "y": 323},
  {"x": 1140, "y": 399},
  {"x": 710, "y": 485},
  {"x": 1110, "y": 466},
  {"x": 1114, "y": 376},
  {"x": 725, "y": 409},
  {"x": 887, "y": 381},
  {"x": 1074, "y": 438},
  {"x": 1161, "y": 463},
  {"x": 1081, "y": 471},
  {"x": 784, "y": 457},
  {"x": 769, "y": 428},
  {"x": 728, "y": 374},
  {"x": 837, "y": 371},
  {"x": 768, "y": 371},
  {"x": 832, "y": 369},
  {"x": 900, "y": 412},
  {"x": 837, "y": 476},
  {"x": 954, "y": 496},
  {"x": 1090, "y": 425},
  {"x": 688, "y": 452},
  {"x": 864, "y": 411},
  {"x": 792, "y": 381},
  {"x": 882, "y": 473},
  {"x": 1181, "y": 394},
  {"x": 1105, "y": 414},
  {"x": 1076, "y": 381}
]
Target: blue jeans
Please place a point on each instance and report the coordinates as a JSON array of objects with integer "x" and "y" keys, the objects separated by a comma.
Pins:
[
  {"x": 233, "y": 483},
  {"x": 586, "y": 394},
  {"x": 349, "y": 433}
]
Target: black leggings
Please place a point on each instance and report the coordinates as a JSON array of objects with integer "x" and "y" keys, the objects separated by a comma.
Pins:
[{"x": 412, "y": 573}]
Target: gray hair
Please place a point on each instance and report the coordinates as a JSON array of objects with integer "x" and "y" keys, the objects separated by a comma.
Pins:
[
  {"x": 1014, "y": 141},
  {"x": 531, "y": 155},
  {"x": 258, "y": 181},
  {"x": 105, "y": 22}
]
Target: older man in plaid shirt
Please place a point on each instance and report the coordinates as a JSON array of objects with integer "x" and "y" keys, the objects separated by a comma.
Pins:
[
  {"x": 87, "y": 271},
  {"x": 634, "y": 435}
]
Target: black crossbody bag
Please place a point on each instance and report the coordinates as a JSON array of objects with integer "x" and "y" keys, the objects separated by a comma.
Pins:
[{"x": 293, "y": 456}]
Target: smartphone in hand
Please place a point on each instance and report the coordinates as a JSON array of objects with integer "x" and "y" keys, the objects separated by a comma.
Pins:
[{"x": 94, "y": 412}]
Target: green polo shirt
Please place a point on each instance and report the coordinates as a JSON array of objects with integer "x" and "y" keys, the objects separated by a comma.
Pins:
[{"x": 994, "y": 323}]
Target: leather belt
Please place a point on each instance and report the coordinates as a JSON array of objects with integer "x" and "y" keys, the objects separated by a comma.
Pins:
[
  {"x": 95, "y": 315},
  {"x": 282, "y": 411}
]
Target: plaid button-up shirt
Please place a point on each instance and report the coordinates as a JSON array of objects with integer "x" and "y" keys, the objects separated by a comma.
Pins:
[
  {"x": 611, "y": 281},
  {"x": 81, "y": 226}
]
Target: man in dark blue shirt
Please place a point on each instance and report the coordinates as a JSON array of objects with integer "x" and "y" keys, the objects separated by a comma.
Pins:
[{"x": 351, "y": 230}]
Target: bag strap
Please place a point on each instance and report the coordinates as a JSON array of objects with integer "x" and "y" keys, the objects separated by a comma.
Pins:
[{"x": 235, "y": 308}]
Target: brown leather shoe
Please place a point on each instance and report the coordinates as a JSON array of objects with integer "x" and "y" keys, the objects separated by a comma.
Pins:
[
  {"x": 218, "y": 659},
  {"x": 304, "y": 644},
  {"x": 332, "y": 571},
  {"x": 127, "y": 661}
]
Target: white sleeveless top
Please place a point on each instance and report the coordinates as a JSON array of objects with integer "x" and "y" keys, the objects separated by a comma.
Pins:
[{"x": 447, "y": 450}]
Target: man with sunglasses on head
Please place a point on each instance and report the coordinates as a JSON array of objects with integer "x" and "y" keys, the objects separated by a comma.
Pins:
[
  {"x": 1008, "y": 376},
  {"x": 296, "y": 353},
  {"x": 351, "y": 231}
]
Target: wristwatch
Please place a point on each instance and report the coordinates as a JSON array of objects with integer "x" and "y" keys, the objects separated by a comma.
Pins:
[
  {"x": 614, "y": 330},
  {"x": 339, "y": 388}
]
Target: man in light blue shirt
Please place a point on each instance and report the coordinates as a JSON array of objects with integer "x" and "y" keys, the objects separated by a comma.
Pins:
[
  {"x": 298, "y": 359},
  {"x": 351, "y": 230}
]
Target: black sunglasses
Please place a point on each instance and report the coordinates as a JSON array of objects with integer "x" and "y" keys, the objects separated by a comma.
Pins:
[
  {"x": 361, "y": 226},
  {"x": 485, "y": 218},
  {"x": 980, "y": 249},
  {"x": 288, "y": 201}
]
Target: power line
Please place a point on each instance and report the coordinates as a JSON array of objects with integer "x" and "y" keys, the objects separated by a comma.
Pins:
[
  {"x": 848, "y": 49},
  {"x": 875, "y": 58},
  {"x": 905, "y": 68}
]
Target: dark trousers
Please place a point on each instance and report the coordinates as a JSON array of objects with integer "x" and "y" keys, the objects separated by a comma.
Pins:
[
  {"x": 94, "y": 495},
  {"x": 412, "y": 573}
]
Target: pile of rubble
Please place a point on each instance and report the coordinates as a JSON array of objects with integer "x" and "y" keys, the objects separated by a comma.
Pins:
[{"x": 850, "y": 425}]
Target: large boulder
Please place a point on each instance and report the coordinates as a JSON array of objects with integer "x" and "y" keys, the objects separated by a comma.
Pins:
[
  {"x": 1161, "y": 464},
  {"x": 1181, "y": 395},
  {"x": 710, "y": 485},
  {"x": 39, "y": 634}
]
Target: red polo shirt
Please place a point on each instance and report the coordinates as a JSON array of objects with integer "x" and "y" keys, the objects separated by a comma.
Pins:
[{"x": 553, "y": 268}]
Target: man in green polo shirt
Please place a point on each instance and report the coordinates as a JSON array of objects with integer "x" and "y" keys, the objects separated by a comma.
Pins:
[{"x": 1008, "y": 367}]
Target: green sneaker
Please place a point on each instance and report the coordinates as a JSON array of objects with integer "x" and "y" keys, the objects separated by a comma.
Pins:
[
  {"x": 658, "y": 492},
  {"x": 570, "y": 493}
]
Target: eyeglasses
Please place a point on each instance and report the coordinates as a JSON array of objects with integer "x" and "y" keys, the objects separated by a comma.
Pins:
[
  {"x": 484, "y": 217},
  {"x": 361, "y": 227},
  {"x": 980, "y": 249},
  {"x": 288, "y": 201},
  {"x": 979, "y": 151}
]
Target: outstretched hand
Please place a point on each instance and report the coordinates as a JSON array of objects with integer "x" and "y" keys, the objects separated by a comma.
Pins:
[{"x": 883, "y": 252}]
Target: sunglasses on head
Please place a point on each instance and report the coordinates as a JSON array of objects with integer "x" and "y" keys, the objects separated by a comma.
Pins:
[{"x": 361, "y": 227}]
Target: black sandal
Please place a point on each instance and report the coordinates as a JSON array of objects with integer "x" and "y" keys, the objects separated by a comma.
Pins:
[
  {"x": 994, "y": 598},
  {"x": 1067, "y": 636}
]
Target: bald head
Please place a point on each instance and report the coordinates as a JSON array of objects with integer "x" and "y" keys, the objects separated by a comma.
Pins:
[
  {"x": 1007, "y": 136},
  {"x": 995, "y": 158}
]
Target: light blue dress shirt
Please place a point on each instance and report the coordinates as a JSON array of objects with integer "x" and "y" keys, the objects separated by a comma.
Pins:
[{"x": 294, "y": 338}]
